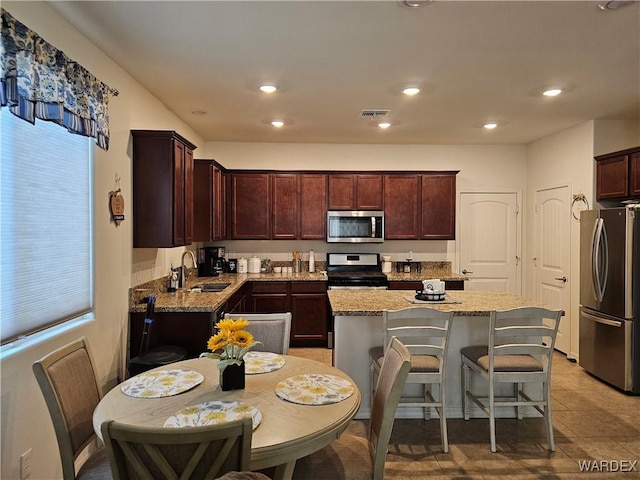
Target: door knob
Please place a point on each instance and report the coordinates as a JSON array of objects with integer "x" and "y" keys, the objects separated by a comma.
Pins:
[
  {"x": 465, "y": 271},
  {"x": 562, "y": 279}
]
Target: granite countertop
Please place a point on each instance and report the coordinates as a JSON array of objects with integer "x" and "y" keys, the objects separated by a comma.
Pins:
[
  {"x": 472, "y": 303},
  {"x": 184, "y": 300}
]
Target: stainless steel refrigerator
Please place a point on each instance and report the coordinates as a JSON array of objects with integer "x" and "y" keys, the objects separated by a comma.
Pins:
[{"x": 610, "y": 295}]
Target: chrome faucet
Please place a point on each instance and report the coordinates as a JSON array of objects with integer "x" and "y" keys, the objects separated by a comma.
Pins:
[{"x": 183, "y": 272}]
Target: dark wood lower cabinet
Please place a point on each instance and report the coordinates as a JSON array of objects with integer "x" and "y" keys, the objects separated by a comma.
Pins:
[
  {"x": 270, "y": 297},
  {"x": 309, "y": 310},
  {"x": 238, "y": 302},
  {"x": 307, "y": 302}
]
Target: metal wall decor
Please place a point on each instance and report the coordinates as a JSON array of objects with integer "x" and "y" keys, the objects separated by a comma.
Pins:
[{"x": 116, "y": 203}]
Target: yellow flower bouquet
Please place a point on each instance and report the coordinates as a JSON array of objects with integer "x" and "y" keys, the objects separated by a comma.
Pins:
[{"x": 231, "y": 343}]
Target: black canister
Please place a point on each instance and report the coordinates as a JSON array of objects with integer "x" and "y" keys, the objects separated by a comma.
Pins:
[{"x": 232, "y": 265}]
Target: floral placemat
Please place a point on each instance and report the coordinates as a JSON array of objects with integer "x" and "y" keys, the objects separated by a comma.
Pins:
[
  {"x": 209, "y": 413},
  {"x": 314, "y": 389},
  {"x": 262, "y": 362},
  {"x": 161, "y": 383}
]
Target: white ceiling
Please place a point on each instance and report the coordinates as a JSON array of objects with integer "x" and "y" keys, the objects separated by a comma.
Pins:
[{"x": 476, "y": 61}]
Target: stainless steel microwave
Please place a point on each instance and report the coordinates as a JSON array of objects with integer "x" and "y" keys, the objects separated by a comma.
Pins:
[{"x": 355, "y": 226}]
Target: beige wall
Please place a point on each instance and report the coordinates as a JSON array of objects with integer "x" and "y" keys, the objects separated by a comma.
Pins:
[
  {"x": 563, "y": 158},
  {"x": 25, "y": 420},
  {"x": 613, "y": 135}
]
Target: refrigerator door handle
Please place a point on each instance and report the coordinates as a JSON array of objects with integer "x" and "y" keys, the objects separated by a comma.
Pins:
[
  {"x": 598, "y": 248},
  {"x": 604, "y": 321},
  {"x": 595, "y": 259},
  {"x": 605, "y": 261}
]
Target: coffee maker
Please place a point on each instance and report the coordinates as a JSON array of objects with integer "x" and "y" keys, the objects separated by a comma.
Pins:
[{"x": 211, "y": 261}]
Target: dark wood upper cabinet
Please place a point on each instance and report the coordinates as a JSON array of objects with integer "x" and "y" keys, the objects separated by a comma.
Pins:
[
  {"x": 369, "y": 192},
  {"x": 438, "y": 204},
  {"x": 355, "y": 191},
  {"x": 402, "y": 206},
  {"x": 276, "y": 205},
  {"x": 634, "y": 177},
  {"x": 162, "y": 189},
  {"x": 209, "y": 197},
  {"x": 220, "y": 204},
  {"x": 250, "y": 206},
  {"x": 618, "y": 175},
  {"x": 284, "y": 206},
  {"x": 612, "y": 178},
  {"x": 342, "y": 192},
  {"x": 313, "y": 206}
]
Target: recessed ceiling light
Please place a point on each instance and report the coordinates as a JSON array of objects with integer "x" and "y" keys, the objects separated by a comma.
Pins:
[
  {"x": 384, "y": 125},
  {"x": 410, "y": 91},
  {"x": 268, "y": 88},
  {"x": 552, "y": 92},
  {"x": 198, "y": 112},
  {"x": 613, "y": 4},
  {"x": 277, "y": 123},
  {"x": 415, "y": 3},
  {"x": 490, "y": 126}
]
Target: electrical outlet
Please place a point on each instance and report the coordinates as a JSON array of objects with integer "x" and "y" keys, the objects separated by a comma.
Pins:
[{"x": 25, "y": 465}]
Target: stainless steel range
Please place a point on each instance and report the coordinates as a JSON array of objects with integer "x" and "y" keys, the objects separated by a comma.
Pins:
[{"x": 355, "y": 271}]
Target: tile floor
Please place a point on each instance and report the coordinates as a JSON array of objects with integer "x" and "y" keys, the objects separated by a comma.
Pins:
[{"x": 591, "y": 420}]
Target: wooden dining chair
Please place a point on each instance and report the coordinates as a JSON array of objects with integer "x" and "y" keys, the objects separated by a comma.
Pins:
[
  {"x": 68, "y": 383},
  {"x": 273, "y": 330},
  {"x": 195, "y": 453},
  {"x": 326, "y": 463},
  {"x": 425, "y": 332},
  {"x": 520, "y": 351}
]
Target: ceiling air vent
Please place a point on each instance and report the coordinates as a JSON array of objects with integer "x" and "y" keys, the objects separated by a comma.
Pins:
[{"x": 374, "y": 114}]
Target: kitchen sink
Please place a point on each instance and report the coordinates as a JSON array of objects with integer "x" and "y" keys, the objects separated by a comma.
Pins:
[{"x": 214, "y": 287}]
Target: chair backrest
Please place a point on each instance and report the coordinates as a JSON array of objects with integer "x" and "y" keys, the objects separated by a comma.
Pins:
[
  {"x": 422, "y": 330},
  {"x": 523, "y": 331},
  {"x": 393, "y": 374},
  {"x": 68, "y": 383},
  {"x": 196, "y": 453},
  {"x": 273, "y": 330}
]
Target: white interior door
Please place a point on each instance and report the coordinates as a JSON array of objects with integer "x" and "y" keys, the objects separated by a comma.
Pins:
[
  {"x": 553, "y": 254},
  {"x": 488, "y": 241}
]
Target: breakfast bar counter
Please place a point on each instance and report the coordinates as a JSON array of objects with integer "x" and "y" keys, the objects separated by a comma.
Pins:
[
  {"x": 358, "y": 327},
  {"x": 470, "y": 303}
]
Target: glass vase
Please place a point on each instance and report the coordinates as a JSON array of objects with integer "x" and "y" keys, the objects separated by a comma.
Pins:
[{"x": 232, "y": 377}]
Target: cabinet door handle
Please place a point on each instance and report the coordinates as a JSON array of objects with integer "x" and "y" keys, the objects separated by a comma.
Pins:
[
  {"x": 562, "y": 279},
  {"x": 465, "y": 271}
]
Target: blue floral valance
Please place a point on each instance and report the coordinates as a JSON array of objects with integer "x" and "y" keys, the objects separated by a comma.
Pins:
[{"x": 40, "y": 81}]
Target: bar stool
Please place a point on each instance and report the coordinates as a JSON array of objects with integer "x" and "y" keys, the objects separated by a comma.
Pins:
[
  {"x": 516, "y": 354},
  {"x": 425, "y": 333}
]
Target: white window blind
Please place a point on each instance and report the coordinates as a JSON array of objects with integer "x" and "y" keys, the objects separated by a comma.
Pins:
[{"x": 45, "y": 226}]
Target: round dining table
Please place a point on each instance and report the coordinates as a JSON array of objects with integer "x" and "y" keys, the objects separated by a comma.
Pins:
[{"x": 287, "y": 430}]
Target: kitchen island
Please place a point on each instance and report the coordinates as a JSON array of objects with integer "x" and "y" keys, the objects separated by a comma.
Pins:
[{"x": 358, "y": 327}]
